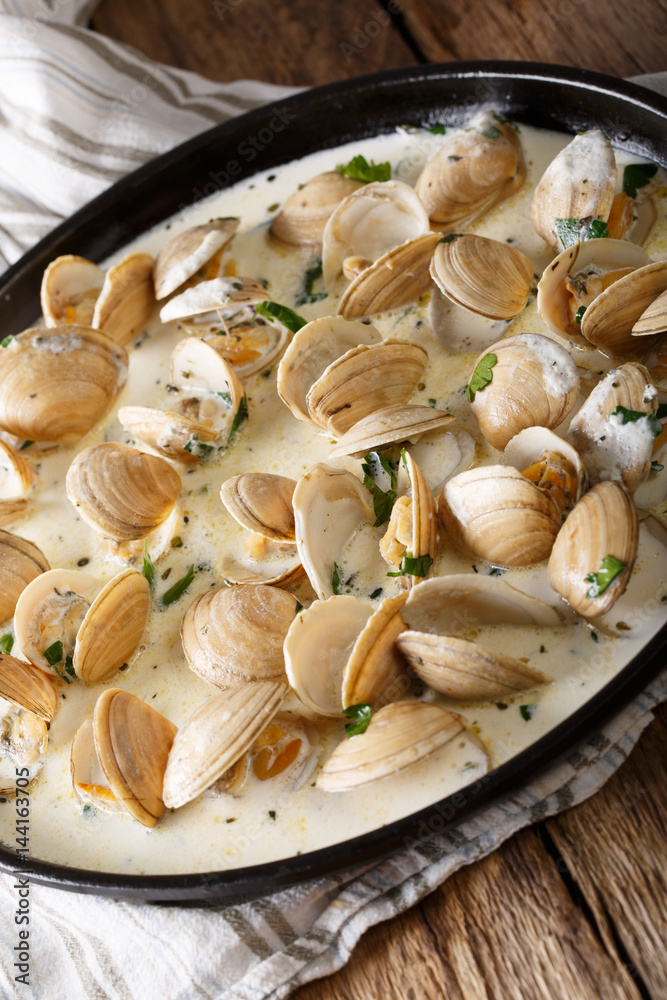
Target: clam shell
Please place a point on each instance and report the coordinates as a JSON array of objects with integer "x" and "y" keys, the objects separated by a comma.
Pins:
[
  {"x": 497, "y": 514},
  {"x": 126, "y": 300},
  {"x": 389, "y": 425},
  {"x": 398, "y": 735},
  {"x": 363, "y": 380},
  {"x": 396, "y": 278},
  {"x": 88, "y": 779},
  {"x": 186, "y": 253},
  {"x": 654, "y": 318},
  {"x": 261, "y": 502},
  {"x": 609, "y": 448},
  {"x": 216, "y": 297},
  {"x": 603, "y": 523},
  {"x": 56, "y": 384},
  {"x": 475, "y": 168},
  {"x": 609, "y": 321},
  {"x": 375, "y": 672},
  {"x": 70, "y": 287},
  {"x": 534, "y": 382},
  {"x": 564, "y": 475},
  {"x": 421, "y": 540},
  {"x": 120, "y": 492},
  {"x": 214, "y": 738},
  {"x": 170, "y": 434},
  {"x": 580, "y": 182},
  {"x": 20, "y": 562},
  {"x": 234, "y": 635},
  {"x": 317, "y": 345},
  {"x": 16, "y": 475},
  {"x": 51, "y": 608},
  {"x": 133, "y": 741},
  {"x": 482, "y": 275},
  {"x": 25, "y": 685},
  {"x": 304, "y": 214},
  {"x": 12, "y": 510},
  {"x": 464, "y": 670},
  {"x": 113, "y": 627}
]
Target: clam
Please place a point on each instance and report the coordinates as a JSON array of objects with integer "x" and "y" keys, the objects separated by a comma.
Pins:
[
  {"x": 16, "y": 475},
  {"x": 56, "y": 384},
  {"x": 126, "y": 300},
  {"x": 653, "y": 319},
  {"x": 122, "y": 493},
  {"x": 482, "y": 275},
  {"x": 12, "y": 510},
  {"x": 113, "y": 627},
  {"x": 236, "y": 634},
  {"x": 368, "y": 223},
  {"x": 28, "y": 703},
  {"x": 70, "y": 288},
  {"x": 399, "y": 276},
  {"x": 313, "y": 348},
  {"x": 216, "y": 736},
  {"x": 122, "y": 767},
  {"x": 20, "y": 562},
  {"x": 389, "y": 425},
  {"x": 170, "y": 434},
  {"x": 475, "y": 168},
  {"x": 211, "y": 301},
  {"x": 615, "y": 428},
  {"x": 579, "y": 183},
  {"x": 276, "y": 564},
  {"x": 196, "y": 249},
  {"x": 329, "y": 506},
  {"x": 533, "y": 381},
  {"x": 549, "y": 462},
  {"x": 609, "y": 322},
  {"x": 497, "y": 514},
  {"x": 339, "y": 652},
  {"x": 410, "y": 543},
  {"x": 303, "y": 216},
  {"x": 464, "y": 670},
  {"x": 285, "y": 753},
  {"x": 593, "y": 556},
  {"x": 572, "y": 281},
  {"x": 262, "y": 503},
  {"x": 398, "y": 735}
]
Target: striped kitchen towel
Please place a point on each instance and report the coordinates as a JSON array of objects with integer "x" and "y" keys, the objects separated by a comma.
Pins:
[{"x": 77, "y": 112}]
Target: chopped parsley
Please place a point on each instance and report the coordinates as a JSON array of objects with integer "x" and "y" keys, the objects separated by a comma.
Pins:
[
  {"x": 609, "y": 570},
  {"x": 53, "y": 654},
  {"x": 580, "y": 314},
  {"x": 241, "y": 415},
  {"x": 376, "y": 593},
  {"x": 179, "y": 588},
  {"x": 26, "y": 444},
  {"x": 383, "y": 500},
  {"x": 661, "y": 411},
  {"x": 273, "y": 310},
  {"x": 148, "y": 568},
  {"x": 491, "y": 132},
  {"x": 432, "y": 402},
  {"x": 527, "y": 712},
  {"x": 481, "y": 376},
  {"x": 571, "y": 231},
  {"x": 361, "y": 716},
  {"x": 359, "y": 169},
  {"x": 631, "y": 416},
  {"x": 308, "y": 295},
  {"x": 198, "y": 448},
  {"x": 450, "y": 238},
  {"x": 6, "y": 342},
  {"x": 637, "y": 175},
  {"x": 436, "y": 129},
  {"x": 6, "y": 643},
  {"x": 416, "y": 566}
]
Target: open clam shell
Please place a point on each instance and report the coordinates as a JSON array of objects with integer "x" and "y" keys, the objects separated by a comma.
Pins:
[
  {"x": 88, "y": 779},
  {"x": 475, "y": 168},
  {"x": 534, "y": 383},
  {"x": 56, "y": 384},
  {"x": 28, "y": 703},
  {"x": 24, "y": 685},
  {"x": 482, "y": 275},
  {"x": 261, "y": 502},
  {"x": 132, "y": 742},
  {"x": 604, "y": 523},
  {"x": 579, "y": 183},
  {"x": 16, "y": 475},
  {"x": 410, "y": 542},
  {"x": 20, "y": 562},
  {"x": 122, "y": 493},
  {"x": 70, "y": 287},
  {"x": 169, "y": 434},
  {"x": 50, "y": 610},
  {"x": 611, "y": 446},
  {"x": 212, "y": 299},
  {"x": 497, "y": 514},
  {"x": 126, "y": 300},
  {"x": 396, "y": 278},
  {"x": 549, "y": 462},
  {"x": 389, "y": 425},
  {"x": 233, "y": 635},
  {"x": 190, "y": 251},
  {"x": 12, "y": 510},
  {"x": 113, "y": 627},
  {"x": 398, "y": 735},
  {"x": 609, "y": 321},
  {"x": 303, "y": 216}
]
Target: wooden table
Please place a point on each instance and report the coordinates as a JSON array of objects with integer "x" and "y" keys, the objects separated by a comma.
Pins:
[{"x": 573, "y": 908}]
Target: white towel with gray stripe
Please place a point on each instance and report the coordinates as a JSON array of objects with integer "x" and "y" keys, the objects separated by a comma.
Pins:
[{"x": 77, "y": 112}]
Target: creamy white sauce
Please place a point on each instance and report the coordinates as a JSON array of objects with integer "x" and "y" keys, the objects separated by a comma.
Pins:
[{"x": 218, "y": 832}]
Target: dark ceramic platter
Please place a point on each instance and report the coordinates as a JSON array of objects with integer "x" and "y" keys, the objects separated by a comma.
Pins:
[{"x": 554, "y": 97}]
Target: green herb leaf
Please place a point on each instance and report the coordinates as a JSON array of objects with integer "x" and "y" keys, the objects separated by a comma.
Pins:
[
  {"x": 450, "y": 238},
  {"x": 241, "y": 415},
  {"x": 383, "y": 501},
  {"x": 656, "y": 467},
  {"x": 437, "y": 129},
  {"x": 481, "y": 376},
  {"x": 308, "y": 295},
  {"x": 432, "y": 402},
  {"x": 571, "y": 231},
  {"x": 26, "y": 444},
  {"x": 335, "y": 579},
  {"x": 376, "y": 593},
  {"x": 179, "y": 588},
  {"x": 630, "y": 416},
  {"x": 419, "y": 566},
  {"x": 609, "y": 570},
  {"x": 580, "y": 314},
  {"x": 288, "y": 318},
  {"x": 69, "y": 666},
  {"x": 198, "y": 448},
  {"x": 359, "y": 169},
  {"x": 527, "y": 712},
  {"x": 177, "y": 542},
  {"x": 227, "y": 396},
  {"x": 661, "y": 412},
  {"x": 491, "y": 132},
  {"x": 53, "y": 654},
  {"x": 148, "y": 568},
  {"x": 361, "y": 714},
  {"x": 299, "y": 607},
  {"x": 6, "y": 342},
  {"x": 637, "y": 175},
  {"x": 6, "y": 643}
]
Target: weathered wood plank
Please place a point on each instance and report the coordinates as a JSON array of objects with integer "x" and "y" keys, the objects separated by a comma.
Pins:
[
  {"x": 301, "y": 43},
  {"x": 614, "y": 847},
  {"x": 604, "y": 35}
]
